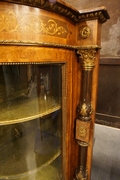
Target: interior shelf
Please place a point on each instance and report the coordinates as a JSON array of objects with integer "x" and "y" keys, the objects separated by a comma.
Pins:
[
  {"x": 51, "y": 172},
  {"x": 30, "y": 154},
  {"x": 31, "y": 122},
  {"x": 23, "y": 109}
]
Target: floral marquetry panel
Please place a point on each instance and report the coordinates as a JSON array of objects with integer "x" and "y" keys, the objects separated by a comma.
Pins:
[
  {"x": 11, "y": 23},
  {"x": 27, "y": 23},
  {"x": 82, "y": 130}
]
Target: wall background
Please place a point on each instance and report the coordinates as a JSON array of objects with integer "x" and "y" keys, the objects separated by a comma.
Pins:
[{"x": 108, "y": 104}]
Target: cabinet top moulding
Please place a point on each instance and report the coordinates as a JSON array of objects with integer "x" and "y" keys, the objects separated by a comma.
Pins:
[{"x": 64, "y": 9}]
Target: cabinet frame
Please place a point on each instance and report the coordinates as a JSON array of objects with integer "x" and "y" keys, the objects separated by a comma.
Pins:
[{"x": 77, "y": 34}]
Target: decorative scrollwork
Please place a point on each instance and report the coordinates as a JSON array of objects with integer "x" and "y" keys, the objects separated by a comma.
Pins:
[
  {"x": 52, "y": 28},
  {"x": 9, "y": 22}
]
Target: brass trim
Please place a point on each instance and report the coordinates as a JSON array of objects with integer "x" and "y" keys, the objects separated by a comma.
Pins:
[
  {"x": 83, "y": 144},
  {"x": 28, "y": 116},
  {"x": 25, "y": 63},
  {"x": 47, "y": 44},
  {"x": 35, "y": 43},
  {"x": 88, "y": 47}
]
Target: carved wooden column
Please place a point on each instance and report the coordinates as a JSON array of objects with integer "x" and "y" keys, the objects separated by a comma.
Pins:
[{"x": 84, "y": 109}]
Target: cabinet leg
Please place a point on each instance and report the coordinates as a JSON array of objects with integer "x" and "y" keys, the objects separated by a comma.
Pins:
[
  {"x": 84, "y": 109},
  {"x": 81, "y": 172}
]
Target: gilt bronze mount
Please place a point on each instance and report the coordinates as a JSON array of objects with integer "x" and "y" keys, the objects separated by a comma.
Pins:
[
  {"x": 87, "y": 56},
  {"x": 85, "y": 32}
]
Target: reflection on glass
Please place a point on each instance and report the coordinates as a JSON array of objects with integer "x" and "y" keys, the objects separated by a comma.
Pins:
[{"x": 30, "y": 122}]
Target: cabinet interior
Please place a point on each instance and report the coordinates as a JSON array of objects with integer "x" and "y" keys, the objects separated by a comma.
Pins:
[{"x": 31, "y": 121}]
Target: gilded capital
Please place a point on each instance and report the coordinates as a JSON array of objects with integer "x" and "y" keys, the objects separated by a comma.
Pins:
[{"x": 88, "y": 58}]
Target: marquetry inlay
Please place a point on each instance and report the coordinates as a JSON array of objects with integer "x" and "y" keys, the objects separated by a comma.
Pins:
[
  {"x": 82, "y": 130},
  {"x": 11, "y": 22}
]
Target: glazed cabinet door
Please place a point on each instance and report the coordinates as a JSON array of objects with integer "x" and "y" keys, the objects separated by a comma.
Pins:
[{"x": 31, "y": 121}]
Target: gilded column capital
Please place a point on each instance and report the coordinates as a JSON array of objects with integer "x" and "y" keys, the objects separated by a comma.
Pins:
[{"x": 88, "y": 58}]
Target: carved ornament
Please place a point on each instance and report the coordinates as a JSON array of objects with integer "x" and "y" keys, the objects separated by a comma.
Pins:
[
  {"x": 88, "y": 58},
  {"x": 79, "y": 174},
  {"x": 85, "y": 32},
  {"x": 85, "y": 110},
  {"x": 66, "y": 10}
]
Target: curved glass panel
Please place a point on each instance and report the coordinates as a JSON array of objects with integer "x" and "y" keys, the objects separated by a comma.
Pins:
[{"x": 30, "y": 121}]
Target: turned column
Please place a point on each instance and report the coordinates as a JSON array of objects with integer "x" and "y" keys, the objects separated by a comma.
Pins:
[{"x": 84, "y": 108}]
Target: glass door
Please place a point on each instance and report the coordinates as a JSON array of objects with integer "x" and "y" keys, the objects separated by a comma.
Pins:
[{"x": 31, "y": 121}]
